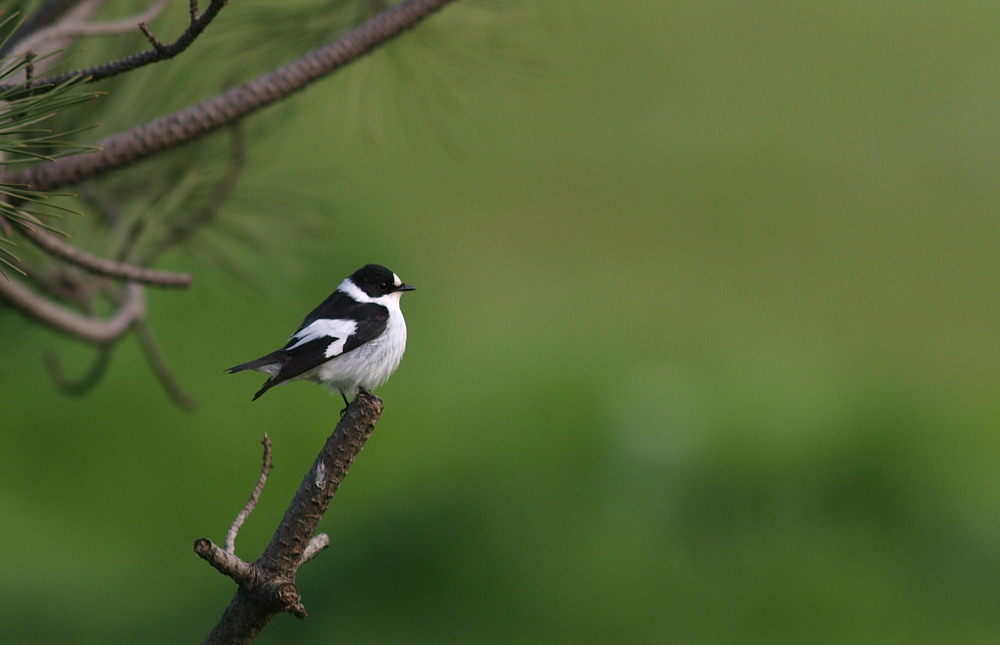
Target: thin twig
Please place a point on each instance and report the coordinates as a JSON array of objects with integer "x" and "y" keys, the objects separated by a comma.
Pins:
[
  {"x": 88, "y": 328},
  {"x": 56, "y": 247},
  {"x": 84, "y": 384},
  {"x": 71, "y": 28},
  {"x": 316, "y": 545},
  {"x": 226, "y": 562},
  {"x": 251, "y": 504},
  {"x": 158, "y": 363}
]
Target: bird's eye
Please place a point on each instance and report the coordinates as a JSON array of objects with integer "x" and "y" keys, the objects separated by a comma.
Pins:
[{"x": 384, "y": 286}]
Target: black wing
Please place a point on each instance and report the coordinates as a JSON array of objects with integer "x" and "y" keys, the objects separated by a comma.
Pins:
[{"x": 297, "y": 358}]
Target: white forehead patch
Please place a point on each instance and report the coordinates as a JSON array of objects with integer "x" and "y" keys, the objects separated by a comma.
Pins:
[{"x": 396, "y": 281}]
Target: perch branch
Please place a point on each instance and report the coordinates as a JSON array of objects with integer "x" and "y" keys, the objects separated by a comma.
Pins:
[
  {"x": 88, "y": 328},
  {"x": 269, "y": 587},
  {"x": 251, "y": 504},
  {"x": 187, "y": 125}
]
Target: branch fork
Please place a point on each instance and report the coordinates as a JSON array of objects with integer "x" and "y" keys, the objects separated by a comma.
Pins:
[{"x": 267, "y": 586}]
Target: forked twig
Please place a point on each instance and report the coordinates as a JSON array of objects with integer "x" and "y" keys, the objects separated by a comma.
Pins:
[{"x": 267, "y": 586}]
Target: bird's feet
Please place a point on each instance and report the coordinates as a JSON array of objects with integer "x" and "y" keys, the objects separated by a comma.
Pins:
[{"x": 347, "y": 403}]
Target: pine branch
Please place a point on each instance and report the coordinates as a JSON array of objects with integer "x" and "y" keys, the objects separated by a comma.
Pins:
[
  {"x": 188, "y": 125},
  {"x": 56, "y": 247},
  {"x": 267, "y": 587},
  {"x": 158, "y": 53}
]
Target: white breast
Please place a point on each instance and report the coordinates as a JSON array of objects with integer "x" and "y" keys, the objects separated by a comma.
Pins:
[{"x": 370, "y": 365}]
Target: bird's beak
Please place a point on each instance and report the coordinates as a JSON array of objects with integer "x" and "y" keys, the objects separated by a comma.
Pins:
[{"x": 406, "y": 287}]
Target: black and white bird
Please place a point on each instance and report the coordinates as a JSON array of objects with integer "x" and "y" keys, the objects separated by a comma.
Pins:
[{"x": 352, "y": 341}]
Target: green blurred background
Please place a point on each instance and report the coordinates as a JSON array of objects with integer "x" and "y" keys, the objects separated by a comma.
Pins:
[{"x": 704, "y": 351}]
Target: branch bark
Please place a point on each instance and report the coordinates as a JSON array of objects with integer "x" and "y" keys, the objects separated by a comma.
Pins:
[
  {"x": 56, "y": 247},
  {"x": 267, "y": 587},
  {"x": 196, "y": 121}
]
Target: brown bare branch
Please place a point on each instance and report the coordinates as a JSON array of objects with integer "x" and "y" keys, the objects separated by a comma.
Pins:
[
  {"x": 316, "y": 545},
  {"x": 56, "y": 247},
  {"x": 251, "y": 504},
  {"x": 87, "y": 328},
  {"x": 187, "y": 125},
  {"x": 225, "y": 562},
  {"x": 269, "y": 587}
]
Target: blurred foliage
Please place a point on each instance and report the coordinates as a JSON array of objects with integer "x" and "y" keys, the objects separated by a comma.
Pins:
[
  {"x": 704, "y": 351},
  {"x": 27, "y": 136}
]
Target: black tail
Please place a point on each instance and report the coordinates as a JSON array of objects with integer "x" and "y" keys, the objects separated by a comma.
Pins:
[
  {"x": 274, "y": 358},
  {"x": 268, "y": 384}
]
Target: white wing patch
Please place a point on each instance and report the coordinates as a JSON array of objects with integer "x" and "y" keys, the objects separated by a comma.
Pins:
[{"x": 336, "y": 329}]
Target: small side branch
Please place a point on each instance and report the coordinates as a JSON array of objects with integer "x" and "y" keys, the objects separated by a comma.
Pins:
[
  {"x": 316, "y": 545},
  {"x": 161, "y": 370},
  {"x": 87, "y": 382},
  {"x": 225, "y": 562},
  {"x": 251, "y": 504},
  {"x": 56, "y": 247}
]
